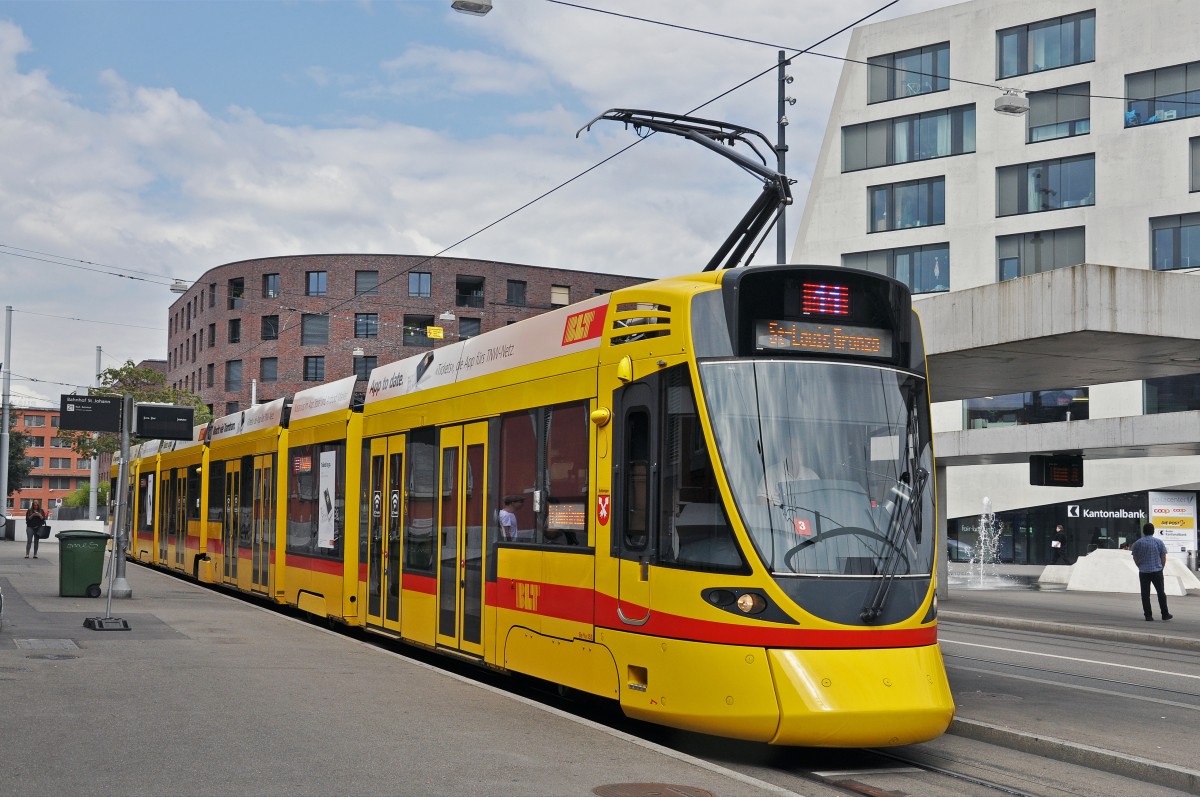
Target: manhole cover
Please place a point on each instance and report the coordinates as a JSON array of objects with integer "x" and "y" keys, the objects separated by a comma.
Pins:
[
  {"x": 649, "y": 790},
  {"x": 51, "y": 656}
]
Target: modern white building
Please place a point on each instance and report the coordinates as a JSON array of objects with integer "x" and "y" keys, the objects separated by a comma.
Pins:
[{"x": 997, "y": 139}]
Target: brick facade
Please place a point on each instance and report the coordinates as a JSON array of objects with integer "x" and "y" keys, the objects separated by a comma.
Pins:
[
  {"x": 200, "y": 349},
  {"x": 60, "y": 470}
]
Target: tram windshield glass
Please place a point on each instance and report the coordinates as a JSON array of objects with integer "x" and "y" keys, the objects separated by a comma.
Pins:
[{"x": 830, "y": 464}]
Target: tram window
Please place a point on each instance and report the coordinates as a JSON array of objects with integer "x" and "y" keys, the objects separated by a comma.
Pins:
[
  {"x": 422, "y": 501},
  {"x": 518, "y": 469},
  {"x": 566, "y": 474},
  {"x": 193, "y": 493},
  {"x": 694, "y": 529},
  {"x": 146, "y": 502},
  {"x": 637, "y": 478},
  {"x": 316, "y": 499},
  {"x": 364, "y": 501},
  {"x": 216, "y": 491}
]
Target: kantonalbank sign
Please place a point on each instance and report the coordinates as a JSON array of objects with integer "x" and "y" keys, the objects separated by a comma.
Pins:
[{"x": 1075, "y": 510}]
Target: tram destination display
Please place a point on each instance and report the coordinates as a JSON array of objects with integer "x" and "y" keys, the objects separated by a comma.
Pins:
[{"x": 807, "y": 336}]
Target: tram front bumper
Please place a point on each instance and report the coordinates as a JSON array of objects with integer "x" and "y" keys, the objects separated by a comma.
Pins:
[{"x": 861, "y": 698}]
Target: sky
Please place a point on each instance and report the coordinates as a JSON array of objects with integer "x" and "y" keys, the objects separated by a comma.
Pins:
[{"x": 147, "y": 142}]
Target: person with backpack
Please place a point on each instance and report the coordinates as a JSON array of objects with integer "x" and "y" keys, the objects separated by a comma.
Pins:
[{"x": 35, "y": 518}]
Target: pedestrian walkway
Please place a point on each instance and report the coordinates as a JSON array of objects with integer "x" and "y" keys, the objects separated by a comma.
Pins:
[{"x": 207, "y": 694}]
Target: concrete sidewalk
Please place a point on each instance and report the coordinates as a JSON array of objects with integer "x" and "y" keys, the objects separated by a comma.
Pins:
[{"x": 208, "y": 694}]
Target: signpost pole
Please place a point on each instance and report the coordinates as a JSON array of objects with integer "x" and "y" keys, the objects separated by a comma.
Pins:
[
  {"x": 120, "y": 588},
  {"x": 94, "y": 474},
  {"x": 4, "y": 485}
]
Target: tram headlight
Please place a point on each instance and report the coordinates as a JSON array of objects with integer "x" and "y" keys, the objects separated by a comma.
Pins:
[{"x": 751, "y": 603}]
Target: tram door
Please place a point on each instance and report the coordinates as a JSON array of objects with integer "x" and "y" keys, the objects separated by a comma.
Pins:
[
  {"x": 231, "y": 521},
  {"x": 462, "y": 516},
  {"x": 262, "y": 526},
  {"x": 634, "y": 524},
  {"x": 386, "y": 526},
  {"x": 166, "y": 516},
  {"x": 180, "y": 508}
]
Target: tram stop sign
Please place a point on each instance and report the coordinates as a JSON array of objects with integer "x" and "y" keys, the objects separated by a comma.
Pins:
[{"x": 90, "y": 413}]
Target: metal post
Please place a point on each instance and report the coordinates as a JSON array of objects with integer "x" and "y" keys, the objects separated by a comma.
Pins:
[
  {"x": 94, "y": 475},
  {"x": 4, "y": 428},
  {"x": 781, "y": 255},
  {"x": 120, "y": 588}
]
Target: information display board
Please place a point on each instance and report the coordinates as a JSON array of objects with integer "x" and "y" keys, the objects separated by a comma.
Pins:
[
  {"x": 90, "y": 413},
  {"x": 164, "y": 421}
]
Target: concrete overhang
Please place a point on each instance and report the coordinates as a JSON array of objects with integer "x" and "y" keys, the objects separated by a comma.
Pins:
[
  {"x": 1167, "y": 435},
  {"x": 1084, "y": 325}
]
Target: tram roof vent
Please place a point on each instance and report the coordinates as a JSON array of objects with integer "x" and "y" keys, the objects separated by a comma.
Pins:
[{"x": 640, "y": 321}]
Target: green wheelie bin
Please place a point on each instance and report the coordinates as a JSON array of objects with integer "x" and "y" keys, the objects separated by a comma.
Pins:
[{"x": 81, "y": 562}]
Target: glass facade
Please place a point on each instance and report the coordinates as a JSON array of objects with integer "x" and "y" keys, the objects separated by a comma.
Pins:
[
  {"x": 1025, "y": 409},
  {"x": 906, "y": 74},
  {"x": 1162, "y": 95},
  {"x": 1048, "y": 44},
  {"x": 1172, "y": 394},
  {"x": 924, "y": 269},
  {"x": 1059, "y": 113},
  {"x": 916, "y": 203},
  {"x": 1175, "y": 242},
  {"x": 1046, "y": 185},
  {"x": 918, "y": 137},
  {"x": 1034, "y": 252},
  {"x": 1110, "y": 522}
]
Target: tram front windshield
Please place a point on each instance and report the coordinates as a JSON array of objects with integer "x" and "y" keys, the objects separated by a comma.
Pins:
[{"x": 830, "y": 464}]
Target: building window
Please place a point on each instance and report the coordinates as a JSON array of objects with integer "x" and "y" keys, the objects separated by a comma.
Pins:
[
  {"x": 233, "y": 375},
  {"x": 1162, "y": 95},
  {"x": 366, "y": 325},
  {"x": 366, "y": 283},
  {"x": 34, "y": 462},
  {"x": 315, "y": 283},
  {"x": 314, "y": 369},
  {"x": 468, "y": 328},
  {"x": 36, "y": 441},
  {"x": 235, "y": 330},
  {"x": 1059, "y": 113},
  {"x": 1049, "y": 44},
  {"x": 1046, "y": 185},
  {"x": 1175, "y": 242},
  {"x": 212, "y": 334},
  {"x": 1172, "y": 394},
  {"x": 270, "y": 286},
  {"x": 468, "y": 291},
  {"x": 419, "y": 283},
  {"x": 231, "y": 407},
  {"x": 1025, "y": 409},
  {"x": 416, "y": 330},
  {"x": 516, "y": 293},
  {"x": 924, "y": 269},
  {"x": 210, "y": 375},
  {"x": 1034, "y": 252},
  {"x": 268, "y": 369},
  {"x": 916, "y": 203},
  {"x": 270, "y": 327},
  {"x": 35, "y": 420},
  {"x": 60, "y": 483},
  {"x": 55, "y": 442},
  {"x": 363, "y": 367},
  {"x": 908, "y": 73},
  {"x": 917, "y": 137},
  {"x": 212, "y": 294},
  {"x": 314, "y": 329},
  {"x": 560, "y": 295},
  {"x": 237, "y": 293},
  {"x": 60, "y": 463},
  {"x": 1194, "y": 160},
  {"x": 32, "y": 483}
]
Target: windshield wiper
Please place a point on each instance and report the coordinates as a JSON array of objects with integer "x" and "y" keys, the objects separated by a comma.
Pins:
[{"x": 906, "y": 518}]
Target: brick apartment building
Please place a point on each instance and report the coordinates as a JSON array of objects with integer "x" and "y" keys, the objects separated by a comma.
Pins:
[
  {"x": 256, "y": 330},
  {"x": 57, "y": 470}
]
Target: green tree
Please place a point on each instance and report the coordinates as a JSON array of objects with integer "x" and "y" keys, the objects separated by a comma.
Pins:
[
  {"x": 145, "y": 385},
  {"x": 18, "y": 466},
  {"x": 81, "y": 495}
]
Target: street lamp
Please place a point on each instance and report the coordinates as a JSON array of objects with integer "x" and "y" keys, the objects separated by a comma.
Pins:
[
  {"x": 475, "y": 7},
  {"x": 1012, "y": 103}
]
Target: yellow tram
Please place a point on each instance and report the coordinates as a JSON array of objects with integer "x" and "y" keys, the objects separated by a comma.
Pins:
[{"x": 716, "y": 493}]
